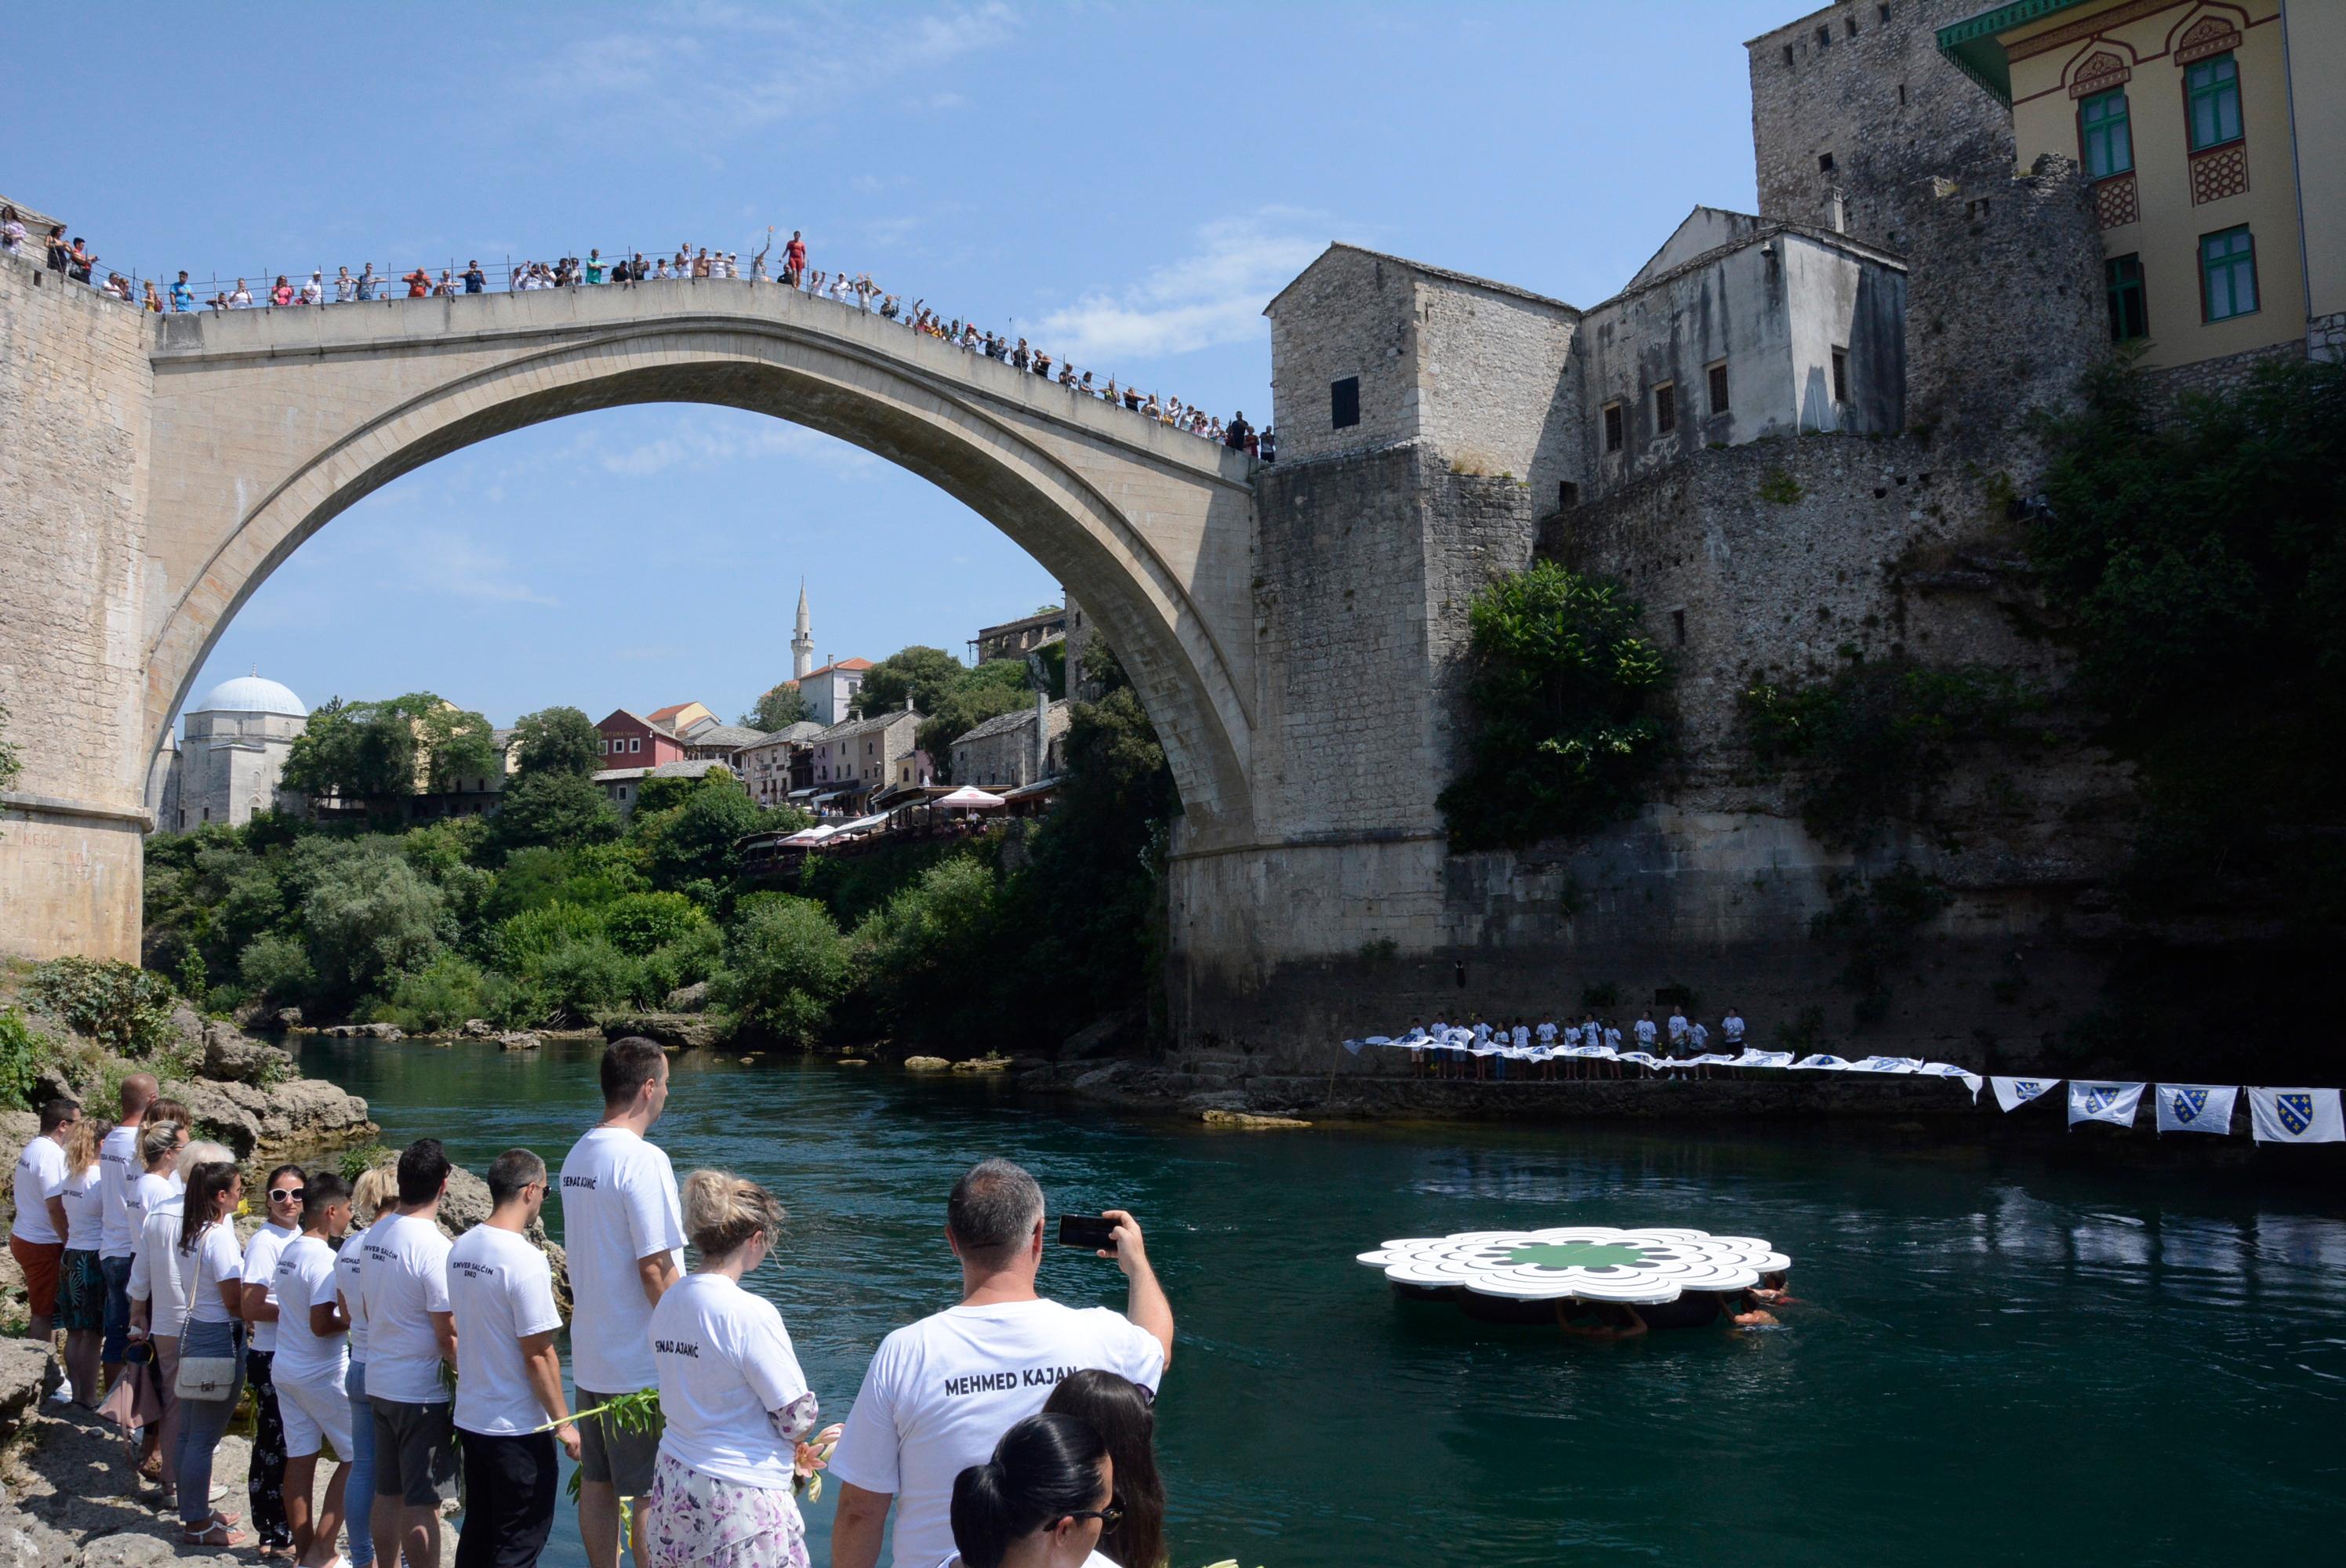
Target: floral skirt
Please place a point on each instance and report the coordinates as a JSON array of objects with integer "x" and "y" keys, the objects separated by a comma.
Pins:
[{"x": 693, "y": 1518}]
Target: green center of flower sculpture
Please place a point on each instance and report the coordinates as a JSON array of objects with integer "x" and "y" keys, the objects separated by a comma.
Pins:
[{"x": 1577, "y": 1255}]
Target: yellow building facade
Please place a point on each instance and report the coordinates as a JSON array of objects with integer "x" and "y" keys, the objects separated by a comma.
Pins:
[{"x": 2213, "y": 134}]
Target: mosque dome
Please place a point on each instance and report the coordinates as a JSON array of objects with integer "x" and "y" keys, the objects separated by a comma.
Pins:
[{"x": 250, "y": 693}]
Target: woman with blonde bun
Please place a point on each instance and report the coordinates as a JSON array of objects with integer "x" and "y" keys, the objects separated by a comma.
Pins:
[
  {"x": 373, "y": 1196},
  {"x": 734, "y": 1401}
]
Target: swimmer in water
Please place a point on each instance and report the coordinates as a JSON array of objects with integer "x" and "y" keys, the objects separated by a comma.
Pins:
[
  {"x": 1602, "y": 1320},
  {"x": 1772, "y": 1292},
  {"x": 1745, "y": 1311}
]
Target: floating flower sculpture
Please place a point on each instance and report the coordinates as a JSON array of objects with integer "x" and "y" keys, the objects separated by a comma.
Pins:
[{"x": 1594, "y": 1262}]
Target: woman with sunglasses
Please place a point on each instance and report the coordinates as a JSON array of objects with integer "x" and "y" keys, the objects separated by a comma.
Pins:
[
  {"x": 1041, "y": 1501},
  {"x": 264, "y": 1487}
]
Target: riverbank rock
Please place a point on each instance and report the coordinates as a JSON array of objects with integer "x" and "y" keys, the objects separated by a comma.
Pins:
[
  {"x": 232, "y": 1056},
  {"x": 299, "y": 1115},
  {"x": 1220, "y": 1118},
  {"x": 28, "y": 1372},
  {"x": 478, "y": 1029},
  {"x": 987, "y": 1064},
  {"x": 517, "y": 1040},
  {"x": 686, "y": 1030},
  {"x": 690, "y": 998},
  {"x": 365, "y": 1032},
  {"x": 927, "y": 1064}
]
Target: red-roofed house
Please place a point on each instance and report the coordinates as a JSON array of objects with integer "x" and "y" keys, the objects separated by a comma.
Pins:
[
  {"x": 830, "y": 690},
  {"x": 631, "y": 740},
  {"x": 681, "y": 717}
]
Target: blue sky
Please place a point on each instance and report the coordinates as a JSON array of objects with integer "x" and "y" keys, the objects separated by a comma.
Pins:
[{"x": 1129, "y": 184}]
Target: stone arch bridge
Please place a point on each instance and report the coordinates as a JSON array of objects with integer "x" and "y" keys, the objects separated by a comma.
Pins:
[{"x": 158, "y": 469}]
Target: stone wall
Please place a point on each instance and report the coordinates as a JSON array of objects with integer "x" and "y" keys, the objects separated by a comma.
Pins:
[
  {"x": 1349, "y": 313},
  {"x": 74, "y": 391},
  {"x": 2221, "y": 377},
  {"x": 1876, "y": 96}
]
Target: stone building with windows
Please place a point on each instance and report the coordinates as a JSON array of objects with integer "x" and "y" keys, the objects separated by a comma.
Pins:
[
  {"x": 1016, "y": 639},
  {"x": 227, "y": 766},
  {"x": 2210, "y": 131},
  {"x": 850, "y": 761},
  {"x": 771, "y": 766},
  {"x": 1014, "y": 749}
]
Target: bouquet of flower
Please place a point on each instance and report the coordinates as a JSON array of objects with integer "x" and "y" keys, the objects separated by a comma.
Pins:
[{"x": 812, "y": 1458}]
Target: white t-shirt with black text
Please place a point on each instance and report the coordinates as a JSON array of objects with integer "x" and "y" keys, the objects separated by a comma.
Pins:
[
  {"x": 118, "y": 1157},
  {"x": 347, "y": 1263},
  {"x": 618, "y": 1206},
  {"x": 40, "y": 1172},
  {"x": 261, "y": 1268},
  {"x": 405, "y": 1281},
  {"x": 218, "y": 1261},
  {"x": 84, "y": 1195},
  {"x": 941, "y": 1392},
  {"x": 305, "y": 1279},
  {"x": 501, "y": 1288},
  {"x": 725, "y": 1362}
]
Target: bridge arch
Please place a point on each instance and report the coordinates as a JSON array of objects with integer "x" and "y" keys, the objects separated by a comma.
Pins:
[{"x": 268, "y": 424}]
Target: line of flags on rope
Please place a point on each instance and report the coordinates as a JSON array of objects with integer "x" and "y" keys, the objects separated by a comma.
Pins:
[{"x": 2275, "y": 1116}]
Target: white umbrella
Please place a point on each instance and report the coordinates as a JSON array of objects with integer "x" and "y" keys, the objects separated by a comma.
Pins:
[{"x": 967, "y": 799}]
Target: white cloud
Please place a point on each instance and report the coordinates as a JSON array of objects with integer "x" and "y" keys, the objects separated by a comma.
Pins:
[
  {"x": 746, "y": 67},
  {"x": 700, "y": 446},
  {"x": 1213, "y": 295},
  {"x": 442, "y": 561}
]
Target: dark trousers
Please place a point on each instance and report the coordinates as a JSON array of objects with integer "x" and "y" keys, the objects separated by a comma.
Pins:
[
  {"x": 509, "y": 1484},
  {"x": 264, "y": 1487}
]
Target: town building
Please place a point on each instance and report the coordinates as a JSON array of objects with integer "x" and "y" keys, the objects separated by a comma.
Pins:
[
  {"x": 1016, "y": 639},
  {"x": 1014, "y": 749},
  {"x": 851, "y": 760},
  {"x": 802, "y": 639},
  {"x": 635, "y": 741},
  {"x": 227, "y": 767},
  {"x": 766, "y": 763},
  {"x": 622, "y": 787},
  {"x": 714, "y": 742},
  {"x": 829, "y": 692},
  {"x": 2209, "y": 132}
]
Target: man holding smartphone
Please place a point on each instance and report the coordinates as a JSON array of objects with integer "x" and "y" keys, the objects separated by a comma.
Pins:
[{"x": 941, "y": 1392}]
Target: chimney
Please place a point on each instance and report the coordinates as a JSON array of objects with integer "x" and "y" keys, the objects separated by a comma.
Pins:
[{"x": 1042, "y": 734}]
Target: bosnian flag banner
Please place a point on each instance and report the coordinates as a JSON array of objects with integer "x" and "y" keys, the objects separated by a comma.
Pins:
[
  {"x": 2196, "y": 1107},
  {"x": 2116, "y": 1104},
  {"x": 2296, "y": 1116},
  {"x": 2014, "y": 1092}
]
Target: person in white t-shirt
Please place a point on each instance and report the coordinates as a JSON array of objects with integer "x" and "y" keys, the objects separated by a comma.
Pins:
[
  {"x": 941, "y": 1392},
  {"x": 311, "y": 1358},
  {"x": 737, "y": 1406},
  {"x": 81, "y": 1284},
  {"x": 1730, "y": 1028},
  {"x": 118, "y": 1159},
  {"x": 623, "y": 1230},
  {"x": 1041, "y": 1500},
  {"x": 374, "y": 1196},
  {"x": 264, "y": 1486},
  {"x": 156, "y": 1294},
  {"x": 37, "y": 1237},
  {"x": 212, "y": 1334},
  {"x": 510, "y": 1406},
  {"x": 404, "y": 1288}
]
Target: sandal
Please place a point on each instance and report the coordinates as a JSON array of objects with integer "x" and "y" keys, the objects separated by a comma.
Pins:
[{"x": 212, "y": 1534}]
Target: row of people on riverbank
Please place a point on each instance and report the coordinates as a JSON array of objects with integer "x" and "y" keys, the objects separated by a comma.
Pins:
[{"x": 343, "y": 1310}]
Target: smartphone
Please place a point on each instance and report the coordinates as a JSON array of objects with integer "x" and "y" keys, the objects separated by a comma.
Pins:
[{"x": 1088, "y": 1231}]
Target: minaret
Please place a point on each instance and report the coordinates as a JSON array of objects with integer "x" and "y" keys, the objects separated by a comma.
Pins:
[{"x": 803, "y": 640}]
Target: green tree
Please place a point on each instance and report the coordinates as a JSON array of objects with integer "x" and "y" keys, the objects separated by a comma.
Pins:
[
  {"x": 368, "y": 915},
  {"x": 641, "y": 922},
  {"x": 558, "y": 740},
  {"x": 381, "y": 753},
  {"x": 778, "y": 709},
  {"x": 785, "y": 965},
  {"x": 551, "y": 811},
  {"x": 695, "y": 840},
  {"x": 121, "y": 1006},
  {"x": 1562, "y": 691},
  {"x": 929, "y": 956},
  {"x": 923, "y": 674}
]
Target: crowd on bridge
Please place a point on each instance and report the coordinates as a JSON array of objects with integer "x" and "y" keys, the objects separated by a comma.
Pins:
[
  {"x": 691, "y": 264},
  {"x": 1007, "y": 1432}
]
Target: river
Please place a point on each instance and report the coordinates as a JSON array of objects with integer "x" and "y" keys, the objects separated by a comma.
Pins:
[{"x": 2006, "y": 1358}]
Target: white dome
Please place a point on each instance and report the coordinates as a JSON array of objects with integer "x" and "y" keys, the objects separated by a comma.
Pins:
[{"x": 250, "y": 693}]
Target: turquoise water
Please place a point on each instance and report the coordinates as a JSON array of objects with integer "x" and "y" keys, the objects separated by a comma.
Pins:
[{"x": 2006, "y": 1358}]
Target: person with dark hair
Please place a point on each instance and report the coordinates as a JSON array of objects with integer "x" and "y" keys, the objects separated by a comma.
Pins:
[
  {"x": 410, "y": 1332},
  {"x": 737, "y": 1403},
  {"x": 313, "y": 1356},
  {"x": 1043, "y": 1500},
  {"x": 510, "y": 1407},
  {"x": 119, "y": 1166},
  {"x": 623, "y": 1227},
  {"x": 939, "y": 1392},
  {"x": 37, "y": 1237},
  {"x": 1126, "y": 1419},
  {"x": 264, "y": 1486},
  {"x": 213, "y": 1335}
]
